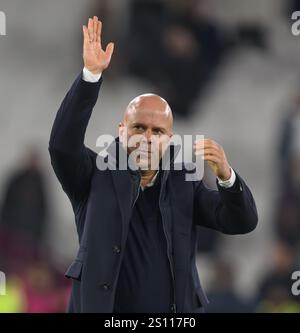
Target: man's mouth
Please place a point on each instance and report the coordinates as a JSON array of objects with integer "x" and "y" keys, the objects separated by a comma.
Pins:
[{"x": 146, "y": 151}]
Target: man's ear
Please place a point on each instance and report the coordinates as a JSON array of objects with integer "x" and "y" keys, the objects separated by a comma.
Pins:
[{"x": 121, "y": 132}]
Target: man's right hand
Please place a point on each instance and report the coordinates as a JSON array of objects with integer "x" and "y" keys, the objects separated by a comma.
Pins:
[{"x": 96, "y": 60}]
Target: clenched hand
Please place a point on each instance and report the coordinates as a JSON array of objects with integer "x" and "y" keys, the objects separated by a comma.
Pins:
[{"x": 214, "y": 154}]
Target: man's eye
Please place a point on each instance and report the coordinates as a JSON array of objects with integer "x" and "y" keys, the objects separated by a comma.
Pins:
[{"x": 139, "y": 128}]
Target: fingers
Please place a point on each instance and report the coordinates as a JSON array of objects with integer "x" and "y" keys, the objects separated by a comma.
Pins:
[
  {"x": 210, "y": 155},
  {"x": 99, "y": 31},
  {"x": 208, "y": 146},
  {"x": 208, "y": 151},
  {"x": 91, "y": 30},
  {"x": 207, "y": 143},
  {"x": 95, "y": 28},
  {"x": 86, "y": 37},
  {"x": 211, "y": 158}
]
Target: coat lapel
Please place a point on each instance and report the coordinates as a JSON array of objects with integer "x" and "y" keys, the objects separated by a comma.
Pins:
[{"x": 125, "y": 184}]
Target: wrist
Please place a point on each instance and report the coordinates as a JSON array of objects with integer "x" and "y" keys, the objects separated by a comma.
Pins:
[
  {"x": 89, "y": 76},
  {"x": 226, "y": 175},
  {"x": 229, "y": 182},
  {"x": 94, "y": 71}
]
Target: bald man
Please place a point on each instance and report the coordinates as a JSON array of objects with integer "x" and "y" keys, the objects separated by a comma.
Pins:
[{"x": 137, "y": 227}]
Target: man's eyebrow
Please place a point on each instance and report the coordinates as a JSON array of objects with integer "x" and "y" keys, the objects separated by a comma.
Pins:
[
  {"x": 159, "y": 129},
  {"x": 138, "y": 124}
]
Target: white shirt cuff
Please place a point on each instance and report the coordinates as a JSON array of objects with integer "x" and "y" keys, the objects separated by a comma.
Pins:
[
  {"x": 228, "y": 183},
  {"x": 88, "y": 76}
]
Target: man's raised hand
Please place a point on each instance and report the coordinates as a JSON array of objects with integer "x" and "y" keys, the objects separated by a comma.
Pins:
[{"x": 96, "y": 60}]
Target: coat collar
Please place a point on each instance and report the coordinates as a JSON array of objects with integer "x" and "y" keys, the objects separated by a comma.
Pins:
[{"x": 127, "y": 187}]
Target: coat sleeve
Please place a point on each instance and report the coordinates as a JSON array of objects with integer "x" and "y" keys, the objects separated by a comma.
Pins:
[
  {"x": 230, "y": 211},
  {"x": 71, "y": 160}
]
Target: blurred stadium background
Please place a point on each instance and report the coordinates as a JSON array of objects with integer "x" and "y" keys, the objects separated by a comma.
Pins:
[{"x": 230, "y": 70}]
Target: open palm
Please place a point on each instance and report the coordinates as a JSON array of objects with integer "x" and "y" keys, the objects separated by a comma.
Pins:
[{"x": 95, "y": 58}]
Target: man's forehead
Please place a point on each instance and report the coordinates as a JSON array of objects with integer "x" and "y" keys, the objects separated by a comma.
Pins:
[
  {"x": 148, "y": 107},
  {"x": 146, "y": 114}
]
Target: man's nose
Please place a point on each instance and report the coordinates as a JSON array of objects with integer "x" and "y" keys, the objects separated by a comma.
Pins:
[{"x": 148, "y": 135}]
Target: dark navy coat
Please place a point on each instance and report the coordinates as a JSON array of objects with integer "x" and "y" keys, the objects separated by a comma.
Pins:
[{"x": 102, "y": 202}]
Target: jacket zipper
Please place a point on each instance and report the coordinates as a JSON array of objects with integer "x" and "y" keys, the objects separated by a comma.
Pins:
[
  {"x": 169, "y": 258},
  {"x": 138, "y": 193}
]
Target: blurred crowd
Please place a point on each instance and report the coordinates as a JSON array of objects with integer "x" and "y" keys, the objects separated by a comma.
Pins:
[
  {"x": 34, "y": 283},
  {"x": 176, "y": 46}
]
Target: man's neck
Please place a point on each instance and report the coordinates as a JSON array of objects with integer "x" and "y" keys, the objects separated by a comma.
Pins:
[{"x": 147, "y": 176}]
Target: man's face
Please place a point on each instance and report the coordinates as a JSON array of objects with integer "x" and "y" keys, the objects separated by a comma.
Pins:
[{"x": 147, "y": 127}]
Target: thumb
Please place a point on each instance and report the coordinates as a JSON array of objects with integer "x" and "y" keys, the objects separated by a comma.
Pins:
[{"x": 110, "y": 50}]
